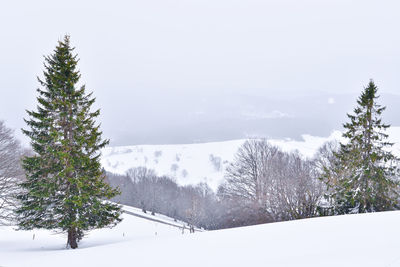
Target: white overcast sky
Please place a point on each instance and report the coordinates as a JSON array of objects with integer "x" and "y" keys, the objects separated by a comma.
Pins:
[{"x": 149, "y": 53}]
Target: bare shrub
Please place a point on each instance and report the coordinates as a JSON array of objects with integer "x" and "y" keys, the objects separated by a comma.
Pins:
[{"x": 10, "y": 172}]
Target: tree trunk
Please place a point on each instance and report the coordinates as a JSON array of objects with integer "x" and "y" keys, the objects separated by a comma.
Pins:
[{"x": 72, "y": 238}]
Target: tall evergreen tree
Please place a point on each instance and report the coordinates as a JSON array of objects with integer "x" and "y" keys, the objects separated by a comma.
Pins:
[
  {"x": 364, "y": 174},
  {"x": 65, "y": 188}
]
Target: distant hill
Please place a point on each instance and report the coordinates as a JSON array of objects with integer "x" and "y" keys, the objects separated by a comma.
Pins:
[{"x": 203, "y": 162}]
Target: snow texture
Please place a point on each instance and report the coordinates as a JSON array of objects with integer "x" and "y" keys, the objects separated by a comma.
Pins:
[{"x": 349, "y": 240}]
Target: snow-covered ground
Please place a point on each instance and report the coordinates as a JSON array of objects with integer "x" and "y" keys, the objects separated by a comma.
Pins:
[
  {"x": 43, "y": 248},
  {"x": 157, "y": 217},
  {"x": 350, "y": 240},
  {"x": 206, "y": 162}
]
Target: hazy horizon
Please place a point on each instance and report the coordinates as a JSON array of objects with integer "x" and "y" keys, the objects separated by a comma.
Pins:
[{"x": 167, "y": 71}]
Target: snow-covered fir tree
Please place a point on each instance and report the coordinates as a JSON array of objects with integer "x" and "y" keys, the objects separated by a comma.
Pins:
[
  {"x": 65, "y": 188},
  {"x": 364, "y": 174}
]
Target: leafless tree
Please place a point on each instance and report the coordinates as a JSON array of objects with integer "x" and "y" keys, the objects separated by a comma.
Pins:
[
  {"x": 248, "y": 178},
  {"x": 324, "y": 164},
  {"x": 271, "y": 185},
  {"x": 10, "y": 172},
  {"x": 298, "y": 188},
  {"x": 142, "y": 188},
  {"x": 140, "y": 173},
  {"x": 325, "y": 158}
]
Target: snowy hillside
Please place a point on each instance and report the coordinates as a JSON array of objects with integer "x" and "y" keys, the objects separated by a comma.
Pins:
[
  {"x": 195, "y": 163},
  {"x": 40, "y": 247},
  {"x": 350, "y": 240}
]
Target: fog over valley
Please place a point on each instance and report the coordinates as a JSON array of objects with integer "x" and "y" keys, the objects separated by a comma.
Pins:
[{"x": 166, "y": 71}]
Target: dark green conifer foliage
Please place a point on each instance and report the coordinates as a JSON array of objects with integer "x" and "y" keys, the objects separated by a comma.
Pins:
[
  {"x": 364, "y": 176},
  {"x": 65, "y": 188}
]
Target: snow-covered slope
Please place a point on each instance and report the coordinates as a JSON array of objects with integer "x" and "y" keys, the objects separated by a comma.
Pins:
[
  {"x": 206, "y": 162},
  {"x": 188, "y": 164},
  {"x": 350, "y": 240},
  {"x": 43, "y": 248}
]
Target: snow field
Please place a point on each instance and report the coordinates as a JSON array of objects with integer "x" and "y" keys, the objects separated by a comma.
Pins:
[
  {"x": 206, "y": 162},
  {"x": 349, "y": 240}
]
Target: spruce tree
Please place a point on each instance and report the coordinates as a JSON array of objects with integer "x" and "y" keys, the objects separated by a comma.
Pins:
[
  {"x": 65, "y": 188},
  {"x": 365, "y": 172}
]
